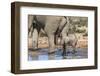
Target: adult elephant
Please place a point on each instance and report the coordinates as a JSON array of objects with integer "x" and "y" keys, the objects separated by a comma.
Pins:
[{"x": 51, "y": 25}]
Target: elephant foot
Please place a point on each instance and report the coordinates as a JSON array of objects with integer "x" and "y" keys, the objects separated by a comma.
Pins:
[
  {"x": 35, "y": 48},
  {"x": 64, "y": 54},
  {"x": 51, "y": 52},
  {"x": 74, "y": 51},
  {"x": 64, "y": 57}
]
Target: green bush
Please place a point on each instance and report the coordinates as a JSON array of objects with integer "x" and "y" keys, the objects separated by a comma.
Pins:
[
  {"x": 80, "y": 31},
  {"x": 86, "y": 34}
]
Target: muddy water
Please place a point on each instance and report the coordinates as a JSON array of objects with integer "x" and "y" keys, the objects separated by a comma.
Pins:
[{"x": 42, "y": 54}]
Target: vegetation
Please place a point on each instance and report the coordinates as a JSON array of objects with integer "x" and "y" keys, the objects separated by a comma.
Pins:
[{"x": 80, "y": 25}]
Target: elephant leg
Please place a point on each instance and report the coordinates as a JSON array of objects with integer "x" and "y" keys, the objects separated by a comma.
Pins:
[
  {"x": 64, "y": 49},
  {"x": 30, "y": 31},
  {"x": 35, "y": 39},
  {"x": 56, "y": 40},
  {"x": 64, "y": 42},
  {"x": 74, "y": 47},
  {"x": 51, "y": 44}
]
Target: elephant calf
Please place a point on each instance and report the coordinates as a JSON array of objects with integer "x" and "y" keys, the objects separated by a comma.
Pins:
[{"x": 69, "y": 38}]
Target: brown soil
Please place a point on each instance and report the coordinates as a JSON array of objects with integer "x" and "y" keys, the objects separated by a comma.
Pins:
[{"x": 43, "y": 42}]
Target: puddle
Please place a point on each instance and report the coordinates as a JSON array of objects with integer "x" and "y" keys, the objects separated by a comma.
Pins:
[{"x": 42, "y": 54}]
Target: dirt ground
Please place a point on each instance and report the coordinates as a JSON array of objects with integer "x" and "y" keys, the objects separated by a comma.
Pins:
[{"x": 43, "y": 42}]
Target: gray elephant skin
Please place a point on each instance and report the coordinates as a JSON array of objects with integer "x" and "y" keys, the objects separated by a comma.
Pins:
[{"x": 51, "y": 25}]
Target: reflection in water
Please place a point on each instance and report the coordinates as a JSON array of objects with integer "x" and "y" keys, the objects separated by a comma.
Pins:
[
  {"x": 43, "y": 57},
  {"x": 42, "y": 54}
]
